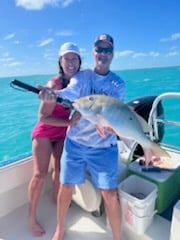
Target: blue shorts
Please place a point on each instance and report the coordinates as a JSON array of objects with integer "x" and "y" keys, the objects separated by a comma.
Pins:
[{"x": 101, "y": 163}]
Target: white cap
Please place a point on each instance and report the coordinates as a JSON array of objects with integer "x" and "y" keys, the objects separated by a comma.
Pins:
[{"x": 68, "y": 47}]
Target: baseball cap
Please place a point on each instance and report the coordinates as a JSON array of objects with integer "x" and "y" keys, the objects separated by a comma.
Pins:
[
  {"x": 105, "y": 38},
  {"x": 68, "y": 47}
]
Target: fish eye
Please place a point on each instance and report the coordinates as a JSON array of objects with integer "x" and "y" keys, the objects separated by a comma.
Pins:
[{"x": 91, "y": 98}]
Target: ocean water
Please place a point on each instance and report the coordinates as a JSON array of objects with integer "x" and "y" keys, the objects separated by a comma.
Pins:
[{"x": 19, "y": 108}]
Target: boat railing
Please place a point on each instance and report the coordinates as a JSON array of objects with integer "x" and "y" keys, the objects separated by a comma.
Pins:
[{"x": 154, "y": 119}]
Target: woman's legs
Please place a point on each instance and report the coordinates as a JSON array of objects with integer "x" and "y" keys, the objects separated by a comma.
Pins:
[
  {"x": 55, "y": 164},
  {"x": 63, "y": 203},
  {"x": 41, "y": 148}
]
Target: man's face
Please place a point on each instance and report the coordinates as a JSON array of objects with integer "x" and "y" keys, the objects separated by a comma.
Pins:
[{"x": 103, "y": 54}]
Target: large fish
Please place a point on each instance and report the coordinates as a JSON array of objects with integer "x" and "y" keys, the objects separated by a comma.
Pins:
[{"x": 108, "y": 112}]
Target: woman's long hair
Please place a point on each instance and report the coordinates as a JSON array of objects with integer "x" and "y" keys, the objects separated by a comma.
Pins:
[{"x": 61, "y": 72}]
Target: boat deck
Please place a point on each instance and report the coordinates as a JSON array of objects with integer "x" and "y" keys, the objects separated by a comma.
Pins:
[{"x": 80, "y": 225}]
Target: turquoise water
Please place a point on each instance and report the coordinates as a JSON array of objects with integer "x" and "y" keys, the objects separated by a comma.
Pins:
[{"x": 19, "y": 108}]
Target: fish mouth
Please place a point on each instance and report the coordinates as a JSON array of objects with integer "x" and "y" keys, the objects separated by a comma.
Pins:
[{"x": 79, "y": 106}]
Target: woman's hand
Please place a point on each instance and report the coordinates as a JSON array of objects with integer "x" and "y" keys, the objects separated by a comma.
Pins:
[{"x": 47, "y": 94}]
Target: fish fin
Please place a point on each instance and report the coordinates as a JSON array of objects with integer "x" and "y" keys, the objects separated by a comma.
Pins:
[
  {"x": 102, "y": 121},
  {"x": 128, "y": 142},
  {"x": 101, "y": 131},
  {"x": 102, "y": 124},
  {"x": 145, "y": 127},
  {"x": 158, "y": 151}
]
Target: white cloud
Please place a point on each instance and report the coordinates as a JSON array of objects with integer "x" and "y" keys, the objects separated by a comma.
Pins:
[
  {"x": 14, "y": 64},
  {"x": 82, "y": 50},
  {"x": 171, "y": 54},
  {"x": 173, "y": 37},
  {"x": 133, "y": 54},
  {"x": 65, "y": 33},
  {"x": 66, "y": 3},
  {"x": 48, "y": 56},
  {"x": 174, "y": 47},
  {"x": 6, "y": 54},
  {"x": 16, "y": 42},
  {"x": 142, "y": 54},
  {"x": 139, "y": 54},
  {"x": 6, "y": 59},
  {"x": 40, "y": 4},
  {"x": 154, "y": 54},
  {"x": 10, "y": 36},
  {"x": 125, "y": 53},
  {"x": 46, "y": 42}
]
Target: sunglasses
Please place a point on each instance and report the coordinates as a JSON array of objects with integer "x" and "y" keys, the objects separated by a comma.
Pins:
[{"x": 104, "y": 50}]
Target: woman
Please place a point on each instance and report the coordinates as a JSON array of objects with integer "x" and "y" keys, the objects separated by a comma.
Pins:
[{"x": 49, "y": 133}]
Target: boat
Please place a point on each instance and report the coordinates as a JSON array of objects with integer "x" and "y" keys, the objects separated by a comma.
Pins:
[{"x": 86, "y": 218}]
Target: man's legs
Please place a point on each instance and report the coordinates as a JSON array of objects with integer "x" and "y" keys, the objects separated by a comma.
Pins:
[{"x": 112, "y": 207}]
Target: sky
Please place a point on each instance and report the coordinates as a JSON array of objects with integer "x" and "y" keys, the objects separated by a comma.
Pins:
[{"x": 146, "y": 33}]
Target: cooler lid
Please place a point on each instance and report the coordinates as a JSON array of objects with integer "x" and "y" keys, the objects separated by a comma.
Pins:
[{"x": 158, "y": 174}]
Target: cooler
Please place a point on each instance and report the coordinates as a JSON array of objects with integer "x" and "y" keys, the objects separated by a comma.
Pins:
[
  {"x": 137, "y": 199},
  {"x": 167, "y": 181}
]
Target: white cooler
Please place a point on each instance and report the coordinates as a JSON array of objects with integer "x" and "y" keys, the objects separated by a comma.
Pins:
[{"x": 137, "y": 199}]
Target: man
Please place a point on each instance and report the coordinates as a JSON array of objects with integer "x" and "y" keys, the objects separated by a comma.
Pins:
[{"x": 84, "y": 148}]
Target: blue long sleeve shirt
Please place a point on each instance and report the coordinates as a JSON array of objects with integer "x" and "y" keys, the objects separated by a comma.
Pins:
[{"x": 85, "y": 83}]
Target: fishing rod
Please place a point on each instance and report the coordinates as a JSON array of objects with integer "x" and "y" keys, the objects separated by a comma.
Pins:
[{"x": 65, "y": 102}]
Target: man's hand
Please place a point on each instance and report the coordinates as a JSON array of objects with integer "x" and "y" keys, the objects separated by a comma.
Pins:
[
  {"x": 109, "y": 129},
  {"x": 47, "y": 94}
]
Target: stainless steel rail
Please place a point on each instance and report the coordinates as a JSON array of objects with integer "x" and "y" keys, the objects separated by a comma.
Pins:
[{"x": 154, "y": 119}]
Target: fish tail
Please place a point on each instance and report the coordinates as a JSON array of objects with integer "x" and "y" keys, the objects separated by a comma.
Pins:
[
  {"x": 158, "y": 151},
  {"x": 154, "y": 150}
]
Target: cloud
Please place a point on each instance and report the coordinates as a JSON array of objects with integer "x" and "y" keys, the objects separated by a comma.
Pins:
[
  {"x": 154, "y": 54},
  {"x": 40, "y": 4},
  {"x": 139, "y": 54},
  {"x": 48, "y": 56},
  {"x": 173, "y": 37},
  {"x": 171, "y": 54},
  {"x": 133, "y": 54},
  {"x": 16, "y": 42},
  {"x": 65, "y": 33},
  {"x": 66, "y": 3},
  {"x": 125, "y": 53},
  {"x": 10, "y": 36},
  {"x": 6, "y": 59},
  {"x": 6, "y": 54},
  {"x": 14, "y": 64},
  {"x": 46, "y": 42}
]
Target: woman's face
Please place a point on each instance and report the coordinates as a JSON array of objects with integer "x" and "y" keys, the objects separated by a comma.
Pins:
[{"x": 70, "y": 64}]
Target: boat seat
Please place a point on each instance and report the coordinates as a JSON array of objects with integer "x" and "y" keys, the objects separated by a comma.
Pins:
[{"x": 89, "y": 198}]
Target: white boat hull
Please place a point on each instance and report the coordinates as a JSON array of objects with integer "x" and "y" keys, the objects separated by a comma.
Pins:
[{"x": 80, "y": 223}]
